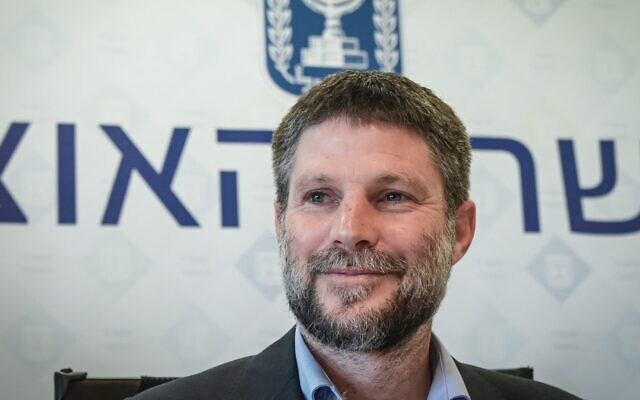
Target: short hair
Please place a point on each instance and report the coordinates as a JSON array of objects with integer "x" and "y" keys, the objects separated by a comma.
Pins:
[{"x": 363, "y": 97}]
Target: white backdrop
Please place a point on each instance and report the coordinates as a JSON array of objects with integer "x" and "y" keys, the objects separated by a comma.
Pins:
[{"x": 147, "y": 295}]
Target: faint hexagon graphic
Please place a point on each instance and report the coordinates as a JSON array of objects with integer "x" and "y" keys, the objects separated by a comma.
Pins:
[
  {"x": 609, "y": 64},
  {"x": 558, "y": 269},
  {"x": 624, "y": 339},
  {"x": 111, "y": 105},
  {"x": 474, "y": 59},
  {"x": 116, "y": 264},
  {"x": 35, "y": 190},
  {"x": 196, "y": 188},
  {"x": 118, "y": 337},
  {"x": 263, "y": 191},
  {"x": 260, "y": 264},
  {"x": 187, "y": 47},
  {"x": 195, "y": 339},
  {"x": 627, "y": 193},
  {"x": 37, "y": 262},
  {"x": 492, "y": 196},
  {"x": 36, "y": 40},
  {"x": 539, "y": 11},
  {"x": 257, "y": 4},
  {"x": 493, "y": 339},
  {"x": 37, "y": 341}
]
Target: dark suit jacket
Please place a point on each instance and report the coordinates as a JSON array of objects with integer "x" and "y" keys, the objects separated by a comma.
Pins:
[{"x": 273, "y": 375}]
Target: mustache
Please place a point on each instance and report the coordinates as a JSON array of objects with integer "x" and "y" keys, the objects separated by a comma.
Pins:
[{"x": 367, "y": 259}]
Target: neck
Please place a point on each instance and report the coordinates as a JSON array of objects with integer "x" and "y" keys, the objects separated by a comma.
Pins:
[{"x": 399, "y": 373}]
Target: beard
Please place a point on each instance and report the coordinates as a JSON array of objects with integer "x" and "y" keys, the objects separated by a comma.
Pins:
[{"x": 421, "y": 289}]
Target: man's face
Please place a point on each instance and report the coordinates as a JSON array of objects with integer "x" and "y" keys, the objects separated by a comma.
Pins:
[{"x": 365, "y": 243}]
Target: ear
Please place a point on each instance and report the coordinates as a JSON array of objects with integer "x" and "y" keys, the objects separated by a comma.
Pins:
[
  {"x": 465, "y": 229},
  {"x": 277, "y": 212}
]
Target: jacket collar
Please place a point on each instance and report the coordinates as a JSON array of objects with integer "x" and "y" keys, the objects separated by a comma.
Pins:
[
  {"x": 271, "y": 374},
  {"x": 478, "y": 387}
]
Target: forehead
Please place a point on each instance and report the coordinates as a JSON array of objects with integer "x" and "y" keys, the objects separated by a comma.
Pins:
[{"x": 363, "y": 151}]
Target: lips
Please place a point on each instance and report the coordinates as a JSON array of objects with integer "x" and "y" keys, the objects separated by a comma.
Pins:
[
  {"x": 368, "y": 261},
  {"x": 353, "y": 271}
]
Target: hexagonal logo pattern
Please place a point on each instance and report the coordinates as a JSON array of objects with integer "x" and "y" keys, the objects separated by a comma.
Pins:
[
  {"x": 609, "y": 64},
  {"x": 190, "y": 48},
  {"x": 34, "y": 186},
  {"x": 195, "y": 187},
  {"x": 539, "y": 11},
  {"x": 116, "y": 264},
  {"x": 624, "y": 340},
  {"x": 37, "y": 340},
  {"x": 36, "y": 40},
  {"x": 260, "y": 264},
  {"x": 474, "y": 59},
  {"x": 195, "y": 339},
  {"x": 493, "y": 339},
  {"x": 492, "y": 196},
  {"x": 558, "y": 269}
]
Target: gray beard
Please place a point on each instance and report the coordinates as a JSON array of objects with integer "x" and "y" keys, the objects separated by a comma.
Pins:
[{"x": 419, "y": 294}]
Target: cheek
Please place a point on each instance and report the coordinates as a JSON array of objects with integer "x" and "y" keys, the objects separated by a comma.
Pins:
[
  {"x": 307, "y": 237},
  {"x": 401, "y": 239}
]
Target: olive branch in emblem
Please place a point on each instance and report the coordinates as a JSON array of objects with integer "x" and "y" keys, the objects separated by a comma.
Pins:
[
  {"x": 385, "y": 35},
  {"x": 279, "y": 35}
]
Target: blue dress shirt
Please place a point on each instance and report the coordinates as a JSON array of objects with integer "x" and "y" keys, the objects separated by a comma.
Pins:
[{"x": 447, "y": 384}]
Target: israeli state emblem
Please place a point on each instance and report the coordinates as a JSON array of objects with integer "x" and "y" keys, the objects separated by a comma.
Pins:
[{"x": 310, "y": 39}]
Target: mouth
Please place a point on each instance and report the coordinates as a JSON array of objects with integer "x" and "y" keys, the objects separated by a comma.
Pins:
[
  {"x": 353, "y": 271},
  {"x": 354, "y": 275}
]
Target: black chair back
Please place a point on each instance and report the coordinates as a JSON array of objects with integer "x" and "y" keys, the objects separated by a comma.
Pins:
[{"x": 69, "y": 385}]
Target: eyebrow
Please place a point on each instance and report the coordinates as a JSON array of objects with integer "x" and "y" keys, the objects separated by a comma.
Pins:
[
  {"x": 320, "y": 179},
  {"x": 384, "y": 179},
  {"x": 395, "y": 178}
]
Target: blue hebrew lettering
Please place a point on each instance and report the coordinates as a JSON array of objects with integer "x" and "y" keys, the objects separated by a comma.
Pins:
[
  {"x": 575, "y": 193},
  {"x": 528, "y": 185},
  {"x": 66, "y": 174},
  {"x": 229, "y": 198},
  {"x": 160, "y": 183},
  {"x": 244, "y": 136},
  {"x": 229, "y": 179},
  {"x": 9, "y": 209}
]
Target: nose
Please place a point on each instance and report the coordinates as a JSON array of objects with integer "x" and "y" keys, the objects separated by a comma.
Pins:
[{"x": 355, "y": 226}]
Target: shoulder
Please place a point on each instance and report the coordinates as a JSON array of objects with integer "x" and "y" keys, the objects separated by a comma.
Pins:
[
  {"x": 482, "y": 382},
  {"x": 271, "y": 374},
  {"x": 213, "y": 382}
]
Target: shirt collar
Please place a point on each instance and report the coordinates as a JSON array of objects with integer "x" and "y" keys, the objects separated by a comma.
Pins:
[
  {"x": 315, "y": 384},
  {"x": 447, "y": 383}
]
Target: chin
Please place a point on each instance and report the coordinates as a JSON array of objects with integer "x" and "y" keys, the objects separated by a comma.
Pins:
[{"x": 342, "y": 309}]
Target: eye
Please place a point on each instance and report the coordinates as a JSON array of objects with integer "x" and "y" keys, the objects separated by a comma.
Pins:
[
  {"x": 317, "y": 197},
  {"x": 394, "y": 196}
]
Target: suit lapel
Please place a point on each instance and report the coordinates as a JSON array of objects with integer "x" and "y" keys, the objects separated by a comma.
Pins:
[
  {"x": 477, "y": 386},
  {"x": 270, "y": 375},
  {"x": 273, "y": 374}
]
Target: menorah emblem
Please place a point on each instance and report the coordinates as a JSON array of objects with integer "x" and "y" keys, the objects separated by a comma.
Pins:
[
  {"x": 333, "y": 49},
  {"x": 299, "y": 56}
]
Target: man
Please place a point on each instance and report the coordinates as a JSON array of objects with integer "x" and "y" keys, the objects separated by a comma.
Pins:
[{"x": 372, "y": 211}]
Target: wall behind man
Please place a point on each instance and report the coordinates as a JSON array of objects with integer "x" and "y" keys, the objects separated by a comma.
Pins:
[{"x": 100, "y": 274}]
